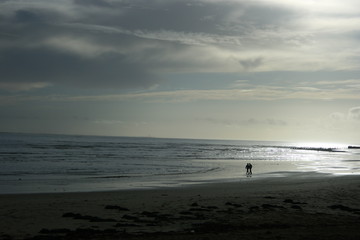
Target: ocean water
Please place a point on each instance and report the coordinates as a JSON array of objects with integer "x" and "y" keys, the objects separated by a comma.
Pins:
[{"x": 33, "y": 163}]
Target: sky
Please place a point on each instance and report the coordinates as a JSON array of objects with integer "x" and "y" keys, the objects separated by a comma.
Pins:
[{"x": 232, "y": 69}]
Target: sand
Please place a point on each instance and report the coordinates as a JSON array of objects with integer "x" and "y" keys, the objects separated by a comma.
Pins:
[{"x": 295, "y": 206}]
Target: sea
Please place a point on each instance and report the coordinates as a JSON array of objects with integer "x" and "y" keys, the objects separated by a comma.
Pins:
[{"x": 47, "y": 163}]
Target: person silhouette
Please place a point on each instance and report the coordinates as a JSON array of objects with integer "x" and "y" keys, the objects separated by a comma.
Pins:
[{"x": 248, "y": 169}]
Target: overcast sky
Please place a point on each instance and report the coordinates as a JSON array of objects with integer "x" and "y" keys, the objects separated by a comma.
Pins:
[{"x": 232, "y": 69}]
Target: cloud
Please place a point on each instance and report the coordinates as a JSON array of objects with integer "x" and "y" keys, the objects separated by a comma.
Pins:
[
  {"x": 106, "y": 71},
  {"x": 354, "y": 113},
  {"x": 38, "y": 48},
  {"x": 97, "y": 3},
  {"x": 258, "y": 93},
  {"x": 340, "y": 120},
  {"x": 134, "y": 44},
  {"x": 79, "y": 46},
  {"x": 18, "y": 87},
  {"x": 276, "y": 122},
  {"x": 343, "y": 124},
  {"x": 337, "y": 116},
  {"x": 249, "y": 64},
  {"x": 247, "y": 122},
  {"x": 25, "y": 16}
]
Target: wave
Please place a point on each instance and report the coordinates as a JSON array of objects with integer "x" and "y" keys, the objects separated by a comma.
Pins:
[{"x": 319, "y": 149}]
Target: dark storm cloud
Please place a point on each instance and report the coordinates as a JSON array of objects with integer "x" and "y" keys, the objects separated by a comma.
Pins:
[
  {"x": 190, "y": 16},
  {"x": 26, "y": 16},
  {"x": 27, "y": 56},
  {"x": 126, "y": 44},
  {"x": 108, "y": 70},
  {"x": 97, "y": 3}
]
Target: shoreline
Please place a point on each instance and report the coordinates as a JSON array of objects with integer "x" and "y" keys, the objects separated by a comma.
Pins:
[
  {"x": 191, "y": 183},
  {"x": 230, "y": 172},
  {"x": 268, "y": 208},
  {"x": 146, "y": 183}
]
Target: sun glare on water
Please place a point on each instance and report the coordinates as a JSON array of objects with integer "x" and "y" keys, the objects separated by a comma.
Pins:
[{"x": 322, "y": 145}]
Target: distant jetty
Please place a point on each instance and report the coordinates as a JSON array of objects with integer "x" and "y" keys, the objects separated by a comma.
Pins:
[
  {"x": 317, "y": 149},
  {"x": 354, "y": 147}
]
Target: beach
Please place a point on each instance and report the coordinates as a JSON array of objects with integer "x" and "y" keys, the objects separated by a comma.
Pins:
[{"x": 294, "y": 206}]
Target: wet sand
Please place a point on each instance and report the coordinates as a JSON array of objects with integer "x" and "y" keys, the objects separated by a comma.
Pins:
[{"x": 295, "y": 206}]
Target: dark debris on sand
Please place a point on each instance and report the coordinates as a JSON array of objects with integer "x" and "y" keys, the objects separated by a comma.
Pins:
[
  {"x": 344, "y": 208},
  {"x": 273, "y": 219},
  {"x": 86, "y": 217}
]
